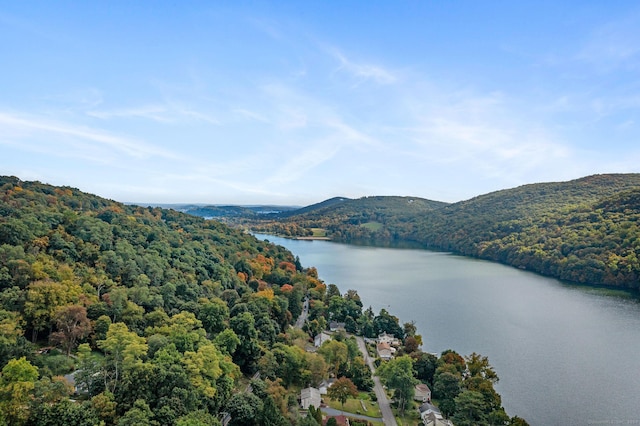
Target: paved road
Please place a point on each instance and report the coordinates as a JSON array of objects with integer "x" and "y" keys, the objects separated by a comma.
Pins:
[
  {"x": 387, "y": 415},
  {"x": 304, "y": 314}
]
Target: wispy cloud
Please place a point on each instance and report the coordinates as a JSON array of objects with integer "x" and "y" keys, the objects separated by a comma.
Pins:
[
  {"x": 251, "y": 115},
  {"x": 28, "y": 127},
  {"x": 162, "y": 113},
  {"x": 614, "y": 45},
  {"x": 362, "y": 71}
]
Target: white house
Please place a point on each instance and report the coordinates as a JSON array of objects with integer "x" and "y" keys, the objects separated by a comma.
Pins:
[
  {"x": 422, "y": 393},
  {"x": 325, "y": 385},
  {"x": 309, "y": 397},
  {"x": 388, "y": 338},
  {"x": 321, "y": 338},
  {"x": 431, "y": 416}
]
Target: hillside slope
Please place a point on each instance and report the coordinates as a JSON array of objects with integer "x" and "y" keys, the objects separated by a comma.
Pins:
[
  {"x": 585, "y": 230},
  {"x": 361, "y": 216}
]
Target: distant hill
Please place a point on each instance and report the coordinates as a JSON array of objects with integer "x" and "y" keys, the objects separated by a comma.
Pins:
[
  {"x": 318, "y": 207},
  {"x": 227, "y": 211},
  {"x": 366, "y": 209},
  {"x": 367, "y": 214},
  {"x": 585, "y": 230}
]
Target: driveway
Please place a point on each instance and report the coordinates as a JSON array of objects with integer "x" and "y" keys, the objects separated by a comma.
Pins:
[
  {"x": 383, "y": 402},
  {"x": 304, "y": 314}
]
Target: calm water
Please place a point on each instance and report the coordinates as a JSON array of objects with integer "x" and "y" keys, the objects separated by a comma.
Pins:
[{"x": 565, "y": 354}]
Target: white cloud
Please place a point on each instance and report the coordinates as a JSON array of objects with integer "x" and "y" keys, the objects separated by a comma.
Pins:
[
  {"x": 251, "y": 115},
  {"x": 363, "y": 71},
  {"x": 38, "y": 131},
  {"x": 162, "y": 113}
]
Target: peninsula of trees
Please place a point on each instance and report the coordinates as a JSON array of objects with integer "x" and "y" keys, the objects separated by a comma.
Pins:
[
  {"x": 112, "y": 314},
  {"x": 584, "y": 231}
]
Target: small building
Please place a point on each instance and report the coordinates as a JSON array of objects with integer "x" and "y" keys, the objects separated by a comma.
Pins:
[
  {"x": 336, "y": 326},
  {"x": 422, "y": 393},
  {"x": 309, "y": 397},
  {"x": 325, "y": 385},
  {"x": 321, "y": 338},
  {"x": 431, "y": 416},
  {"x": 385, "y": 351},
  {"x": 388, "y": 338}
]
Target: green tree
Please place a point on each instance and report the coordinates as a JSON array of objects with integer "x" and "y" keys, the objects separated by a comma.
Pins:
[
  {"x": 335, "y": 354},
  {"x": 447, "y": 385},
  {"x": 122, "y": 348},
  {"x": 17, "y": 383},
  {"x": 332, "y": 422},
  {"x": 245, "y": 409},
  {"x": 270, "y": 415},
  {"x": 198, "y": 418},
  {"x": 205, "y": 366},
  {"x": 214, "y": 315},
  {"x": 227, "y": 340},
  {"x": 360, "y": 373},
  {"x": 105, "y": 407},
  {"x": 425, "y": 366},
  {"x": 342, "y": 389},
  {"x": 315, "y": 413},
  {"x": 43, "y": 300},
  {"x": 248, "y": 353},
  {"x": 139, "y": 415},
  {"x": 479, "y": 366},
  {"x": 64, "y": 412},
  {"x": 397, "y": 374},
  {"x": 471, "y": 409}
]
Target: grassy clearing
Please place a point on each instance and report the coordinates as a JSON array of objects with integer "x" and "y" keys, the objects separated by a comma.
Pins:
[
  {"x": 319, "y": 232},
  {"x": 355, "y": 407},
  {"x": 372, "y": 226}
]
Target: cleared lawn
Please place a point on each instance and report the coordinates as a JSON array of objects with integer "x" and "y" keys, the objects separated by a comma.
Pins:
[
  {"x": 353, "y": 406},
  {"x": 319, "y": 232},
  {"x": 372, "y": 226}
]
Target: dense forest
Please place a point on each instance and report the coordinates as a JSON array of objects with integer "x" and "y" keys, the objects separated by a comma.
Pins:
[
  {"x": 585, "y": 231},
  {"x": 112, "y": 314}
]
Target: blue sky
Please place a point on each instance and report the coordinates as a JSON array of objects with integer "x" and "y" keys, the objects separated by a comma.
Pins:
[{"x": 295, "y": 102}]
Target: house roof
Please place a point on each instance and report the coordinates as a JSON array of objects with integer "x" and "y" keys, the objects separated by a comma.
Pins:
[
  {"x": 309, "y": 393},
  {"x": 429, "y": 407},
  {"x": 422, "y": 387}
]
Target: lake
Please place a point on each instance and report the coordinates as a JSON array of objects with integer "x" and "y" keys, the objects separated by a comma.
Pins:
[{"x": 565, "y": 354}]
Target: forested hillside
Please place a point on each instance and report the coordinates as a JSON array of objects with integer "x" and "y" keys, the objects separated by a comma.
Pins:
[
  {"x": 171, "y": 310},
  {"x": 156, "y": 317},
  {"x": 363, "y": 217},
  {"x": 585, "y": 231}
]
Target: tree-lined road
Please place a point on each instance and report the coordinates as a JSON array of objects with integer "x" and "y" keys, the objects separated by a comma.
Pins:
[{"x": 383, "y": 402}]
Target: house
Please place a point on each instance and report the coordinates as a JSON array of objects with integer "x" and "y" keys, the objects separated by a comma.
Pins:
[
  {"x": 336, "y": 326},
  {"x": 431, "y": 416},
  {"x": 321, "y": 338},
  {"x": 325, "y": 385},
  {"x": 388, "y": 338},
  {"x": 309, "y": 397},
  {"x": 422, "y": 393},
  {"x": 385, "y": 351}
]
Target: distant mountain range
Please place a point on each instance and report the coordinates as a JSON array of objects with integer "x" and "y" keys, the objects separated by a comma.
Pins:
[{"x": 584, "y": 230}]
